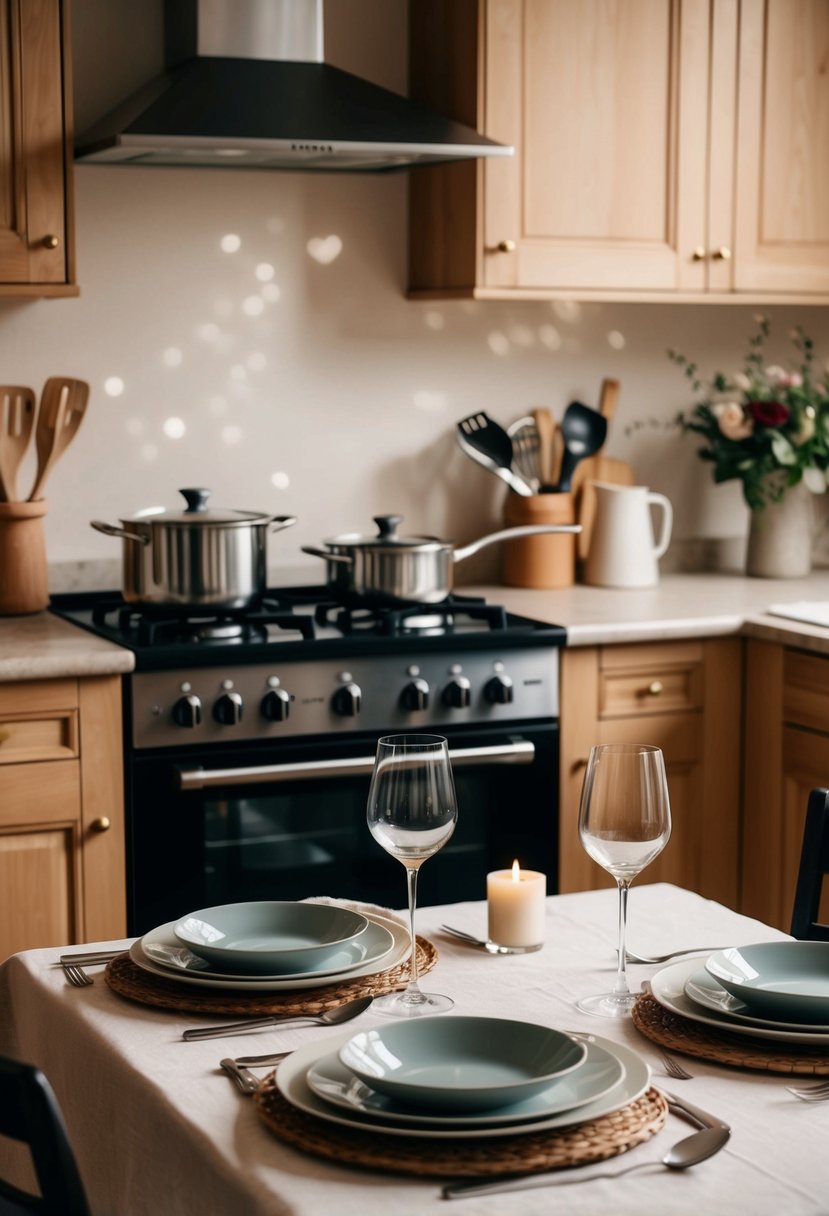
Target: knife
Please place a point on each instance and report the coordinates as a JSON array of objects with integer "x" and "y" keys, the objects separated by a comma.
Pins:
[{"x": 91, "y": 956}]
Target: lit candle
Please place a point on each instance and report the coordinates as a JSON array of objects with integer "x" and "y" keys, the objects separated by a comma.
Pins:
[{"x": 515, "y": 906}]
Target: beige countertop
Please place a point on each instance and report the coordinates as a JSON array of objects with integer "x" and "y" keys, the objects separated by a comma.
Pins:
[{"x": 682, "y": 606}]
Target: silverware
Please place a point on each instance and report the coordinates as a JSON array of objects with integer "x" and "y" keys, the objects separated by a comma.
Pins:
[
  {"x": 76, "y": 975},
  {"x": 490, "y": 445},
  {"x": 332, "y": 1017},
  {"x": 673, "y": 1067},
  {"x": 681, "y": 1106},
  {"x": 239, "y": 1069},
  {"x": 810, "y": 1093},
  {"x": 691, "y": 1150},
  {"x": 492, "y": 947},
  {"x": 90, "y": 958},
  {"x": 630, "y": 957}
]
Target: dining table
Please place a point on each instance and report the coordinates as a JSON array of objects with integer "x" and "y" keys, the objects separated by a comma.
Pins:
[{"x": 158, "y": 1127}]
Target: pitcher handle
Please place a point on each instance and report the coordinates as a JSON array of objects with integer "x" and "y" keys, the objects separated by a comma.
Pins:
[{"x": 659, "y": 500}]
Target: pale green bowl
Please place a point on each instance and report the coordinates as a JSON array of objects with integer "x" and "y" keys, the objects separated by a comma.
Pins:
[{"x": 784, "y": 980}]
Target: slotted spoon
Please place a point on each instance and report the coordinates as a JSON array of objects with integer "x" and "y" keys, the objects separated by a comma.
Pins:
[
  {"x": 490, "y": 445},
  {"x": 17, "y": 416},
  {"x": 62, "y": 407}
]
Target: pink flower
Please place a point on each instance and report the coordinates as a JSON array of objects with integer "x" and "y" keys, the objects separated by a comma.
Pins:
[
  {"x": 768, "y": 413},
  {"x": 780, "y": 378},
  {"x": 732, "y": 420}
]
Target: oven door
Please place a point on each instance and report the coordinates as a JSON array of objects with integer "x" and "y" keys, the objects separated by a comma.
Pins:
[{"x": 259, "y": 822}]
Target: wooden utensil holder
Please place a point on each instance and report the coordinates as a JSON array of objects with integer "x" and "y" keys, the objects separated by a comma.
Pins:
[
  {"x": 540, "y": 561},
  {"x": 24, "y": 585}
]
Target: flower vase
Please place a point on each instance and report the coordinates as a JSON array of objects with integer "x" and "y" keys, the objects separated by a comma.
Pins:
[{"x": 780, "y": 536}]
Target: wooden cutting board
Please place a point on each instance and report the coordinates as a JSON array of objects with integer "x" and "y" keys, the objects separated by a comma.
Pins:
[{"x": 595, "y": 468}]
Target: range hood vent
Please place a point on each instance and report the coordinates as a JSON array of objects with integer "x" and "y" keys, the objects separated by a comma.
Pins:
[{"x": 246, "y": 87}]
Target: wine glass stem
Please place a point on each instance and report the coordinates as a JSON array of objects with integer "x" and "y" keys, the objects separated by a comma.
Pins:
[
  {"x": 412, "y": 989},
  {"x": 621, "y": 986}
]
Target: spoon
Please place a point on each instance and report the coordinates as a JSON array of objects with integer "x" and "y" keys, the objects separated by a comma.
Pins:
[
  {"x": 331, "y": 1017},
  {"x": 584, "y": 431},
  {"x": 680, "y": 1156}
]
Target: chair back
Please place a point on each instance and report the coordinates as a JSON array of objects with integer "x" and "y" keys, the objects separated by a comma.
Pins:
[
  {"x": 814, "y": 863},
  {"x": 29, "y": 1112}
]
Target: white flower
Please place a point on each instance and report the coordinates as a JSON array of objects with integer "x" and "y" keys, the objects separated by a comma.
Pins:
[
  {"x": 807, "y": 427},
  {"x": 742, "y": 381},
  {"x": 733, "y": 421}
]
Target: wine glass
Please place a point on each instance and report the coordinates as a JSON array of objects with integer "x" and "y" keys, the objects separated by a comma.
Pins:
[
  {"x": 624, "y": 822},
  {"x": 412, "y": 811}
]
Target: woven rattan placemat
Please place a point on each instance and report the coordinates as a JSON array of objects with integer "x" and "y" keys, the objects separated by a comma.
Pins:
[
  {"x": 697, "y": 1039},
  {"x": 132, "y": 982},
  {"x": 433, "y": 1158}
]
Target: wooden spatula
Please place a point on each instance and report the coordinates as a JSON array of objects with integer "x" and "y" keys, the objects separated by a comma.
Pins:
[
  {"x": 17, "y": 416},
  {"x": 609, "y": 398},
  {"x": 62, "y": 407}
]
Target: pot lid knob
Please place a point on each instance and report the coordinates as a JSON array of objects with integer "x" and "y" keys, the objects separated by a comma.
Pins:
[
  {"x": 388, "y": 525},
  {"x": 196, "y": 499}
]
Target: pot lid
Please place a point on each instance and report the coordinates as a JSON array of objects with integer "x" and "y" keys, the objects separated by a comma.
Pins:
[
  {"x": 387, "y": 537},
  {"x": 198, "y": 512}
]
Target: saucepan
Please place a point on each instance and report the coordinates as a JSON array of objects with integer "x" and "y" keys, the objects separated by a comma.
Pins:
[
  {"x": 388, "y": 568},
  {"x": 196, "y": 558}
]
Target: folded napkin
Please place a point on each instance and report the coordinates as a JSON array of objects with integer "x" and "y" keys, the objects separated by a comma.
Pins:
[{"x": 355, "y": 906}]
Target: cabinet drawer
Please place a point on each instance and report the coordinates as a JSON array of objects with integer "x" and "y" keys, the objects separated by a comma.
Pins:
[
  {"x": 40, "y": 793},
  {"x": 33, "y": 696},
  {"x": 650, "y": 680},
  {"x": 806, "y": 690},
  {"x": 47, "y": 735}
]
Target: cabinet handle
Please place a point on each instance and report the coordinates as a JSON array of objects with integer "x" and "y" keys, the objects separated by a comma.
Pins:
[
  {"x": 51, "y": 241},
  {"x": 698, "y": 255},
  {"x": 722, "y": 254},
  {"x": 505, "y": 246},
  {"x": 655, "y": 688},
  {"x": 102, "y": 824}
]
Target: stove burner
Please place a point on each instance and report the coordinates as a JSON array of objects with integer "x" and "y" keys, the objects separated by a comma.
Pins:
[
  {"x": 411, "y": 619},
  {"x": 244, "y": 626}
]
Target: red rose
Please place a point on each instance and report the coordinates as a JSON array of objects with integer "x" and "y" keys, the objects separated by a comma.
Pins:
[{"x": 768, "y": 413}]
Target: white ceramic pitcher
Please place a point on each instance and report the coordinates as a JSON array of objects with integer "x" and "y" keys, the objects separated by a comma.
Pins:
[{"x": 622, "y": 548}]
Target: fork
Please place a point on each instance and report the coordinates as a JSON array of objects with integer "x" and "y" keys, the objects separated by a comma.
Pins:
[
  {"x": 76, "y": 975},
  {"x": 630, "y": 957},
  {"x": 239, "y": 1069},
  {"x": 673, "y": 1067},
  {"x": 810, "y": 1093}
]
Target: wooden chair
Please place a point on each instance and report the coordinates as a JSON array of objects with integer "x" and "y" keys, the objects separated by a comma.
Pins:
[
  {"x": 814, "y": 863},
  {"x": 29, "y": 1113}
]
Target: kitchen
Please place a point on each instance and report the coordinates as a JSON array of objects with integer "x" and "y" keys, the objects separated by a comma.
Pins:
[{"x": 254, "y": 335}]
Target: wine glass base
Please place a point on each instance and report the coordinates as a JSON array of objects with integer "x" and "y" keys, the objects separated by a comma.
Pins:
[
  {"x": 401, "y": 1005},
  {"x": 608, "y": 1004}
]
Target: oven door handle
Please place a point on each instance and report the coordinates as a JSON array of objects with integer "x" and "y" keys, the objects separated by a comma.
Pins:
[{"x": 195, "y": 777}]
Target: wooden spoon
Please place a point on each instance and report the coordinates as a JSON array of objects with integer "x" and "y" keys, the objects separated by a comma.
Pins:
[
  {"x": 62, "y": 407},
  {"x": 17, "y": 416},
  {"x": 545, "y": 424},
  {"x": 609, "y": 398}
]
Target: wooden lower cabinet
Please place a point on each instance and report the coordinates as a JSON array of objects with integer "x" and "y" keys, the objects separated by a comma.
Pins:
[
  {"x": 786, "y": 756},
  {"x": 61, "y": 813},
  {"x": 684, "y": 697}
]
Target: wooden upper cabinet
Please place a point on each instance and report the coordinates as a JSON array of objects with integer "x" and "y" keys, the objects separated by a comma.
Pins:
[
  {"x": 624, "y": 118},
  {"x": 36, "y": 240}
]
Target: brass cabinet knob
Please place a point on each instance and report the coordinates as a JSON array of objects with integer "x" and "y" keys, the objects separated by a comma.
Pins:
[
  {"x": 722, "y": 254},
  {"x": 102, "y": 824},
  {"x": 698, "y": 255},
  {"x": 655, "y": 688},
  {"x": 506, "y": 246},
  {"x": 51, "y": 241}
]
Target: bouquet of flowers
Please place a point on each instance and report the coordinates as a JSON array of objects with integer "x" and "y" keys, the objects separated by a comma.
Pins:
[{"x": 766, "y": 425}]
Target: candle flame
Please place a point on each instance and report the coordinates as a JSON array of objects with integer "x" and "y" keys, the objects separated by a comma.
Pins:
[{"x": 516, "y": 872}]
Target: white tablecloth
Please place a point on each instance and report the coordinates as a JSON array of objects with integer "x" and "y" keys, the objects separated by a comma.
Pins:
[{"x": 158, "y": 1128}]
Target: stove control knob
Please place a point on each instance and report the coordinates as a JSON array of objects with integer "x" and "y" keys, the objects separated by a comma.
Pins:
[
  {"x": 457, "y": 693},
  {"x": 347, "y": 700},
  {"x": 499, "y": 690},
  {"x": 229, "y": 709},
  {"x": 276, "y": 705},
  {"x": 415, "y": 695},
  {"x": 187, "y": 711}
]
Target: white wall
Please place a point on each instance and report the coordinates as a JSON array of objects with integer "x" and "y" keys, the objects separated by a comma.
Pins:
[{"x": 342, "y": 388}]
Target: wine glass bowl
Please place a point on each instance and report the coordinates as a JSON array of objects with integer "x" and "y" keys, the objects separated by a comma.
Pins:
[
  {"x": 412, "y": 811},
  {"x": 624, "y": 823}
]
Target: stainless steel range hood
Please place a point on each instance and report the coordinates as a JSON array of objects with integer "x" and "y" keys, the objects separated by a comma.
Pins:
[{"x": 246, "y": 87}]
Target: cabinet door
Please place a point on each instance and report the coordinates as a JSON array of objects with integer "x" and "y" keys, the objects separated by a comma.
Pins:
[
  {"x": 782, "y": 230},
  {"x": 33, "y": 165},
  {"x": 606, "y": 105}
]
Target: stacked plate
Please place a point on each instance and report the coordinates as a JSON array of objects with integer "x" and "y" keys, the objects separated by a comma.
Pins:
[
  {"x": 456, "y": 1077},
  {"x": 272, "y": 946},
  {"x": 772, "y": 990}
]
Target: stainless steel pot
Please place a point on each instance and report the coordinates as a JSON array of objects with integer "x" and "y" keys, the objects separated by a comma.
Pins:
[
  {"x": 388, "y": 568},
  {"x": 195, "y": 558}
]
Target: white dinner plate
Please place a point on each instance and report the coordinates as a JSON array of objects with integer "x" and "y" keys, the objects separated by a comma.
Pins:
[
  {"x": 668, "y": 987},
  {"x": 330, "y": 1080},
  {"x": 399, "y": 952},
  {"x": 291, "y": 1080},
  {"x": 704, "y": 990}
]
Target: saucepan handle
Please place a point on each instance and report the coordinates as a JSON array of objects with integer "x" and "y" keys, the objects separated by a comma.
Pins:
[
  {"x": 508, "y": 534},
  {"x": 282, "y": 521},
  {"x": 111, "y": 530},
  {"x": 341, "y": 559}
]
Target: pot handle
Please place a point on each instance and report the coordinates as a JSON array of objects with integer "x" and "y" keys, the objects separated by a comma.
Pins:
[
  {"x": 508, "y": 534},
  {"x": 111, "y": 530},
  {"x": 282, "y": 521},
  {"x": 341, "y": 559}
]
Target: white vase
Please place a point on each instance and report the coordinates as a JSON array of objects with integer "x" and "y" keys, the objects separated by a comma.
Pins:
[{"x": 780, "y": 536}]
